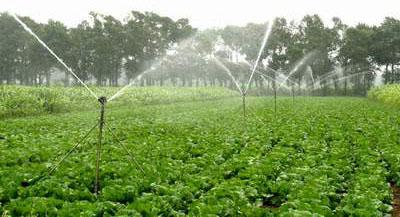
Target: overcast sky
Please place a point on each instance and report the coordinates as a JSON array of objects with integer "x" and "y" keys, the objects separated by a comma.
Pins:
[{"x": 208, "y": 13}]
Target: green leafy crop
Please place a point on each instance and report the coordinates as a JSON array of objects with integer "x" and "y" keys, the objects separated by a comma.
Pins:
[{"x": 323, "y": 157}]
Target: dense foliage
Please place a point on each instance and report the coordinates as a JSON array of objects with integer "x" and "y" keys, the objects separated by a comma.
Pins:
[
  {"x": 28, "y": 101},
  {"x": 388, "y": 94},
  {"x": 322, "y": 157},
  {"x": 100, "y": 48}
]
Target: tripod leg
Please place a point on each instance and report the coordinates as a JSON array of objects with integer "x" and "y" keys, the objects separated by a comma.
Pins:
[
  {"x": 132, "y": 158},
  {"x": 58, "y": 163}
]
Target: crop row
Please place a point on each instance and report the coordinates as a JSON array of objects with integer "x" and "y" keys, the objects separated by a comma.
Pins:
[{"x": 323, "y": 157}]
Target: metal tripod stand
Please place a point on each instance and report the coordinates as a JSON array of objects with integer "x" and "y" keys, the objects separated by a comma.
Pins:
[{"x": 101, "y": 124}]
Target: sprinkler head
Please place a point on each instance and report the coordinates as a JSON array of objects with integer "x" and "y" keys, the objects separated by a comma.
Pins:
[
  {"x": 102, "y": 100},
  {"x": 26, "y": 183}
]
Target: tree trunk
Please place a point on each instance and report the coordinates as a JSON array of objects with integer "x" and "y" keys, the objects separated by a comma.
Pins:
[
  {"x": 364, "y": 86},
  {"x": 66, "y": 78},
  {"x": 191, "y": 82},
  {"x": 183, "y": 82},
  {"x": 40, "y": 79},
  {"x": 392, "y": 74},
  {"x": 48, "y": 76},
  {"x": 387, "y": 75},
  {"x": 299, "y": 84}
]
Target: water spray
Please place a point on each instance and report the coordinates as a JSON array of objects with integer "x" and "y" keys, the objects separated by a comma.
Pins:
[
  {"x": 101, "y": 124},
  {"x": 241, "y": 91},
  {"x": 347, "y": 77},
  {"x": 266, "y": 77},
  {"x": 297, "y": 66},
  {"x": 29, "y": 30},
  {"x": 264, "y": 42},
  {"x": 121, "y": 91},
  {"x": 153, "y": 66},
  {"x": 330, "y": 75},
  {"x": 229, "y": 73}
]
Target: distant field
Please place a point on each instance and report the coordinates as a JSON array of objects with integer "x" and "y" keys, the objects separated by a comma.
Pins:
[
  {"x": 323, "y": 157},
  {"x": 17, "y": 101}
]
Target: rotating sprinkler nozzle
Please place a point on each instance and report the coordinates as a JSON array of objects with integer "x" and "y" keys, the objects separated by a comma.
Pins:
[
  {"x": 102, "y": 100},
  {"x": 26, "y": 183}
]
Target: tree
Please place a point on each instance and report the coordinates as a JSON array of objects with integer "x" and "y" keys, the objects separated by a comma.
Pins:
[
  {"x": 38, "y": 61},
  {"x": 385, "y": 48},
  {"x": 80, "y": 56},
  {"x": 320, "y": 39},
  {"x": 57, "y": 38},
  {"x": 355, "y": 56},
  {"x": 148, "y": 36},
  {"x": 10, "y": 48}
]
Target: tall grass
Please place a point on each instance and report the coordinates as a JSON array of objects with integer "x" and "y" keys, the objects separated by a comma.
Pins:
[{"x": 388, "y": 94}]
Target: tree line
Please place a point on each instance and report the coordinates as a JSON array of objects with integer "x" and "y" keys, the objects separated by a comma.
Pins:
[
  {"x": 100, "y": 47},
  {"x": 343, "y": 58}
]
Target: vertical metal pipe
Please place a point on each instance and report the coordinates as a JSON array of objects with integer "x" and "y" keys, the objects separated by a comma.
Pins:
[
  {"x": 102, "y": 101},
  {"x": 293, "y": 96},
  {"x": 275, "y": 93},
  {"x": 244, "y": 105},
  {"x": 275, "y": 100}
]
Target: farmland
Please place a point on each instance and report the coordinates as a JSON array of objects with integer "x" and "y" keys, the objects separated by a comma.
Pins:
[
  {"x": 195, "y": 109},
  {"x": 321, "y": 156}
]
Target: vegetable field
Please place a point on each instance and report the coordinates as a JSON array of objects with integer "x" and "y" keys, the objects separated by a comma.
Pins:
[{"x": 315, "y": 157}]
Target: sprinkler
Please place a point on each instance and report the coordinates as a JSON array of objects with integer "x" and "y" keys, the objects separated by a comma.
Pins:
[
  {"x": 243, "y": 90},
  {"x": 240, "y": 89},
  {"x": 101, "y": 124}
]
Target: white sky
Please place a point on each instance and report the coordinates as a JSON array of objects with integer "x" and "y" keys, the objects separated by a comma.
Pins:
[{"x": 208, "y": 13}]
